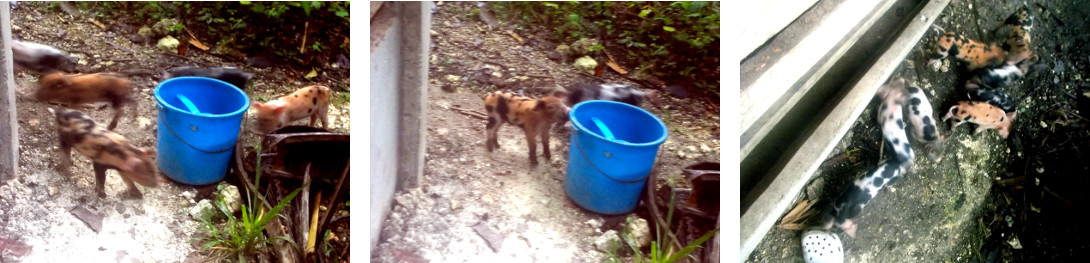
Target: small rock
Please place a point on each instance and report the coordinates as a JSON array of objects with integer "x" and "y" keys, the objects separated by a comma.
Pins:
[
  {"x": 1056, "y": 80},
  {"x": 33, "y": 122},
  {"x": 201, "y": 210},
  {"x": 586, "y": 64},
  {"x": 442, "y": 131},
  {"x": 52, "y": 190},
  {"x": 705, "y": 148},
  {"x": 563, "y": 49},
  {"x": 477, "y": 42},
  {"x": 163, "y": 26},
  {"x": 16, "y": 29},
  {"x": 522, "y": 78},
  {"x": 1040, "y": 170},
  {"x": 453, "y": 78},
  {"x": 595, "y": 223},
  {"x": 433, "y": 33},
  {"x": 94, "y": 220},
  {"x": 455, "y": 205},
  {"x": 188, "y": 194},
  {"x": 1015, "y": 244},
  {"x": 231, "y": 197},
  {"x": 497, "y": 74},
  {"x": 639, "y": 230},
  {"x": 553, "y": 55},
  {"x": 145, "y": 32},
  {"x": 1059, "y": 67},
  {"x": 143, "y": 121},
  {"x": 607, "y": 241},
  {"x": 583, "y": 46},
  {"x": 168, "y": 44}
]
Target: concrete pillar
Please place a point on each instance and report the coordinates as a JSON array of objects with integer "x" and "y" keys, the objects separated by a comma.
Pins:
[
  {"x": 9, "y": 129},
  {"x": 415, "y": 43}
]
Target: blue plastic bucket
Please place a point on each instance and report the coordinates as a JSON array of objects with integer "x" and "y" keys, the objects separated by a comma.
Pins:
[
  {"x": 607, "y": 175},
  {"x": 196, "y": 148}
]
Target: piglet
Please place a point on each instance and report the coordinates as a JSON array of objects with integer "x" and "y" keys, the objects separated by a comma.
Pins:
[
  {"x": 1001, "y": 76},
  {"x": 107, "y": 150},
  {"x": 891, "y": 118},
  {"x": 78, "y": 89},
  {"x": 534, "y": 116},
  {"x": 924, "y": 127},
  {"x": 39, "y": 58},
  {"x": 842, "y": 213},
  {"x": 973, "y": 53},
  {"x": 995, "y": 97},
  {"x": 615, "y": 92},
  {"x": 231, "y": 75},
  {"x": 310, "y": 101},
  {"x": 985, "y": 115}
]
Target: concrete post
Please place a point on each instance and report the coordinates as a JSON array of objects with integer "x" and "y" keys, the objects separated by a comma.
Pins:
[
  {"x": 415, "y": 43},
  {"x": 9, "y": 129}
]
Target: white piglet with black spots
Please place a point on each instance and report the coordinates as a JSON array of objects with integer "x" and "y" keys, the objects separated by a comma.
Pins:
[
  {"x": 921, "y": 118},
  {"x": 891, "y": 118}
]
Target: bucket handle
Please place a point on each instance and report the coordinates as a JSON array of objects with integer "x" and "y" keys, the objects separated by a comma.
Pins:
[
  {"x": 187, "y": 143},
  {"x": 600, "y": 170}
]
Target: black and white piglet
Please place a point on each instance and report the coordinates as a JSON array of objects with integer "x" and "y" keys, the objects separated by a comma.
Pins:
[
  {"x": 924, "y": 126},
  {"x": 842, "y": 213},
  {"x": 38, "y": 57},
  {"x": 615, "y": 92},
  {"x": 231, "y": 75},
  {"x": 995, "y": 97},
  {"x": 891, "y": 118},
  {"x": 1000, "y": 76}
]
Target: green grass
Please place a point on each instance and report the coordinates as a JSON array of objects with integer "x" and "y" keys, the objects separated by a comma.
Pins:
[{"x": 242, "y": 237}]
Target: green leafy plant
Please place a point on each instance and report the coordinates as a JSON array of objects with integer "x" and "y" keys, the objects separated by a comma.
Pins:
[
  {"x": 671, "y": 36},
  {"x": 662, "y": 252},
  {"x": 243, "y": 236}
]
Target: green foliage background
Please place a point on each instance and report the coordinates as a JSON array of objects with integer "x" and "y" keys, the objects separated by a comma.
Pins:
[
  {"x": 250, "y": 27},
  {"x": 677, "y": 41}
]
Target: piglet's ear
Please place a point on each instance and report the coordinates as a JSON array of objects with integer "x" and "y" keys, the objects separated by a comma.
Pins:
[
  {"x": 255, "y": 105},
  {"x": 540, "y": 105},
  {"x": 279, "y": 109}
]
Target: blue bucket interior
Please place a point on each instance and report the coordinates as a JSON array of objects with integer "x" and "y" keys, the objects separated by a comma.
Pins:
[
  {"x": 196, "y": 148},
  {"x": 607, "y": 175}
]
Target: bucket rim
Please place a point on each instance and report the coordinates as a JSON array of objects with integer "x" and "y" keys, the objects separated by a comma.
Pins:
[
  {"x": 579, "y": 126},
  {"x": 162, "y": 103}
]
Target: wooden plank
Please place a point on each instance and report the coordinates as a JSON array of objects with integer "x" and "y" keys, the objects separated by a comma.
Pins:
[
  {"x": 783, "y": 78},
  {"x": 765, "y": 19},
  {"x": 768, "y": 119},
  {"x": 785, "y": 188}
]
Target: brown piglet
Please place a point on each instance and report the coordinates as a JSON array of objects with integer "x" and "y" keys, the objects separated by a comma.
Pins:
[
  {"x": 107, "y": 150},
  {"x": 534, "y": 116},
  {"x": 76, "y": 89},
  {"x": 985, "y": 115},
  {"x": 309, "y": 101}
]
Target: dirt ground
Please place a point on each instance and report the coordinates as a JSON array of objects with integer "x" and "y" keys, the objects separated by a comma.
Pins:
[
  {"x": 465, "y": 186},
  {"x": 990, "y": 199},
  {"x": 157, "y": 228}
]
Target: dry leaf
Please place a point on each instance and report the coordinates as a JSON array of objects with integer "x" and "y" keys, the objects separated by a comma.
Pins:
[
  {"x": 615, "y": 67},
  {"x": 100, "y": 25},
  {"x": 515, "y": 36}
]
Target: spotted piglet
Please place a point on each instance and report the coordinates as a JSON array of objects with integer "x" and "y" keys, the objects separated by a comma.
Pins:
[
  {"x": 309, "y": 101},
  {"x": 842, "y": 213},
  {"x": 891, "y": 119},
  {"x": 534, "y": 116},
  {"x": 923, "y": 123},
  {"x": 994, "y": 97},
  {"x": 985, "y": 115},
  {"x": 107, "y": 150},
  {"x": 1001, "y": 76}
]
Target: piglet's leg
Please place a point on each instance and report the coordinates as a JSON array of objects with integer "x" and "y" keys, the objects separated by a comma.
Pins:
[
  {"x": 323, "y": 114},
  {"x": 117, "y": 116},
  {"x": 100, "y": 179},
  {"x": 545, "y": 140},
  {"x": 133, "y": 192},
  {"x": 65, "y": 160},
  {"x": 531, "y": 139}
]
